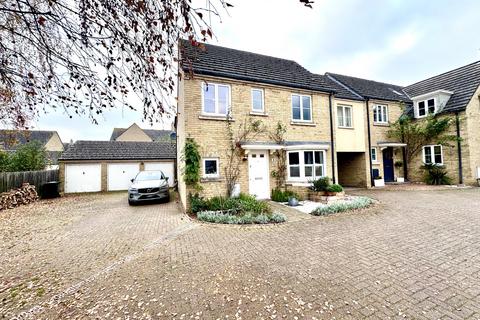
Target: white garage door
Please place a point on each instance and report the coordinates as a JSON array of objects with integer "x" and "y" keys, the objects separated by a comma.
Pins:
[
  {"x": 166, "y": 167},
  {"x": 120, "y": 174},
  {"x": 83, "y": 178}
]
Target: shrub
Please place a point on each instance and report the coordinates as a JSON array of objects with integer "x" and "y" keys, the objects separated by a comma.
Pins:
[
  {"x": 320, "y": 184},
  {"x": 197, "y": 203},
  {"x": 247, "y": 218},
  {"x": 358, "y": 203},
  {"x": 334, "y": 188},
  {"x": 436, "y": 175},
  {"x": 279, "y": 195}
]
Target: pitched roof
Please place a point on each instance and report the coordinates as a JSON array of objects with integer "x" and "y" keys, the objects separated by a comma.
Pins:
[
  {"x": 155, "y": 135},
  {"x": 119, "y": 150},
  {"x": 12, "y": 139},
  {"x": 242, "y": 65},
  {"x": 463, "y": 82},
  {"x": 372, "y": 89}
]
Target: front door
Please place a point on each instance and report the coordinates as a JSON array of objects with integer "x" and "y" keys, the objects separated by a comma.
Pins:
[
  {"x": 388, "y": 164},
  {"x": 258, "y": 174}
]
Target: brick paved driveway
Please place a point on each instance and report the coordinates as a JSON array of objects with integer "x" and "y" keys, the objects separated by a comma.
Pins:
[{"x": 415, "y": 255}]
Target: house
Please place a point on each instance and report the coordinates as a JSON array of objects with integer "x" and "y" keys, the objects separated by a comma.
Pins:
[
  {"x": 10, "y": 140},
  {"x": 135, "y": 133},
  {"x": 335, "y": 125},
  {"x": 385, "y": 103},
  {"x": 231, "y": 87},
  {"x": 455, "y": 94},
  {"x": 94, "y": 166}
]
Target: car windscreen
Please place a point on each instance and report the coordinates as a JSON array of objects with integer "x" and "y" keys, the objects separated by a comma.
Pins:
[{"x": 149, "y": 175}]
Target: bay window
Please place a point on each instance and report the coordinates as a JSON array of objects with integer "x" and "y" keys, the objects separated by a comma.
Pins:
[{"x": 305, "y": 166}]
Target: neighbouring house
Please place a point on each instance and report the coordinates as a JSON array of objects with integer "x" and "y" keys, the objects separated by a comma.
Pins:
[
  {"x": 10, "y": 140},
  {"x": 135, "y": 133},
  {"x": 455, "y": 94},
  {"x": 385, "y": 103},
  {"x": 94, "y": 166}
]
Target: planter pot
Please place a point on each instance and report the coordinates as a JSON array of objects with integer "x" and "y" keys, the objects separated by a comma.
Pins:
[
  {"x": 379, "y": 183},
  {"x": 324, "y": 196},
  {"x": 400, "y": 179},
  {"x": 293, "y": 202},
  {"x": 316, "y": 196}
]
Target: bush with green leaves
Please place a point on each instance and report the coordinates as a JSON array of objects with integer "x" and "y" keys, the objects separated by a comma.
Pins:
[
  {"x": 31, "y": 156},
  {"x": 247, "y": 218},
  {"x": 279, "y": 195},
  {"x": 191, "y": 156},
  {"x": 357, "y": 203},
  {"x": 320, "y": 184},
  {"x": 197, "y": 203},
  {"x": 334, "y": 188},
  {"x": 436, "y": 175}
]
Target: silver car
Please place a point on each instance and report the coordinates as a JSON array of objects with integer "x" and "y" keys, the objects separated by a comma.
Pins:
[{"x": 148, "y": 186}]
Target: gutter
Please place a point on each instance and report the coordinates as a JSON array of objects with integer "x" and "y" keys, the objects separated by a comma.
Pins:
[
  {"x": 369, "y": 142},
  {"x": 334, "y": 179},
  {"x": 459, "y": 149}
]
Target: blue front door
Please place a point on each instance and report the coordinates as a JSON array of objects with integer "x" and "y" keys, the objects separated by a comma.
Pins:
[{"x": 388, "y": 165}]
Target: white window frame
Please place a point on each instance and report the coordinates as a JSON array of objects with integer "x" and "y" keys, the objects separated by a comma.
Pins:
[
  {"x": 229, "y": 102},
  {"x": 425, "y": 101},
  {"x": 301, "y": 165},
  {"x": 432, "y": 153},
  {"x": 263, "y": 100},
  {"x": 343, "y": 107},
  {"x": 373, "y": 152},
  {"x": 382, "y": 111},
  {"x": 301, "y": 107},
  {"x": 215, "y": 175}
]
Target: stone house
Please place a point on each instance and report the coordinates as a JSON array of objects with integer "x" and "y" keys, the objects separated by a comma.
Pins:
[{"x": 328, "y": 131}]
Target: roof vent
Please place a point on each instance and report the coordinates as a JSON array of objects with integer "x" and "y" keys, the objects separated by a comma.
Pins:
[{"x": 396, "y": 92}]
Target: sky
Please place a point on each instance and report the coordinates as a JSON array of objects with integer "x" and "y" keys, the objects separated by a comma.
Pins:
[{"x": 394, "y": 41}]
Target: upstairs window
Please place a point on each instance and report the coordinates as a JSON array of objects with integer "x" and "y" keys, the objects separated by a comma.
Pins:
[
  {"x": 257, "y": 100},
  {"x": 301, "y": 108},
  {"x": 344, "y": 116},
  {"x": 380, "y": 114},
  {"x": 426, "y": 107},
  {"x": 433, "y": 154},
  {"x": 216, "y": 99}
]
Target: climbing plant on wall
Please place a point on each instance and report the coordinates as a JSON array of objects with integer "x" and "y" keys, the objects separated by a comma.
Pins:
[
  {"x": 191, "y": 156},
  {"x": 280, "y": 173}
]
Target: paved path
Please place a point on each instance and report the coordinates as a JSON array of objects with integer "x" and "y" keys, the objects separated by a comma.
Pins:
[{"x": 416, "y": 255}]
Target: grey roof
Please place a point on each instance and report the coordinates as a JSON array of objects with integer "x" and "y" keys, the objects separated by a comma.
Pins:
[
  {"x": 343, "y": 91},
  {"x": 12, "y": 139},
  {"x": 155, "y": 135},
  {"x": 372, "y": 89},
  {"x": 242, "y": 65},
  {"x": 463, "y": 81},
  {"x": 119, "y": 150}
]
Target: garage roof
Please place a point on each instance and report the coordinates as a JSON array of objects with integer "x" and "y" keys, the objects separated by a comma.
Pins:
[{"x": 119, "y": 150}]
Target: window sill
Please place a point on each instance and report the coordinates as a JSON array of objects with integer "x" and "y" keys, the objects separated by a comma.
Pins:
[
  {"x": 348, "y": 128},
  {"x": 258, "y": 114},
  {"x": 216, "y": 118},
  {"x": 211, "y": 179},
  {"x": 297, "y": 183},
  {"x": 378, "y": 124},
  {"x": 376, "y": 162},
  {"x": 300, "y": 123}
]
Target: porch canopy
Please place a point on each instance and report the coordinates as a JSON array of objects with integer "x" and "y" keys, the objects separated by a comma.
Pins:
[
  {"x": 385, "y": 144},
  {"x": 287, "y": 145}
]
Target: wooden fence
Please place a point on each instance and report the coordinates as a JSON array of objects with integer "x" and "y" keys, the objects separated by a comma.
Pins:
[{"x": 10, "y": 180}]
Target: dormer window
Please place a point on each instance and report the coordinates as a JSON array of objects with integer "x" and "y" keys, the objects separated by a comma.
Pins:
[{"x": 426, "y": 107}]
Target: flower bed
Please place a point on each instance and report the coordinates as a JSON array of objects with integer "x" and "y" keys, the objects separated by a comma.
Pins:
[
  {"x": 341, "y": 206},
  {"x": 242, "y": 210}
]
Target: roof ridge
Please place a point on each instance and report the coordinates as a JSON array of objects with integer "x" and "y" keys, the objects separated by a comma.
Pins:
[
  {"x": 343, "y": 85},
  {"x": 380, "y": 82},
  {"x": 443, "y": 73}
]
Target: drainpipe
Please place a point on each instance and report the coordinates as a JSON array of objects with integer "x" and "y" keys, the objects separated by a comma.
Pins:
[
  {"x": 369, "y": 142},
  {"x": 459, "y": 149},
  {"x": 334, "y": 179}
]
